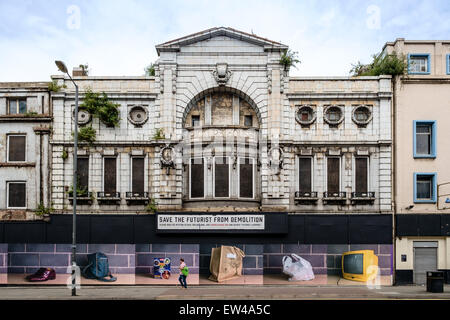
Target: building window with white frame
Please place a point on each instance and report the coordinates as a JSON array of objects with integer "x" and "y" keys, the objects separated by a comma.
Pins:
[
  {"x": 361, "y": 175},
  {"x": 246, "y": 178},
  {"x": 17, "y": 106},
  {"x": 138, "y": 175},
  {"x": 221, "y": 177},
  {"x": 305, "y": 174},
  {"x": 197, "y": 178},
  {"x": 16, "y": 195},
  {"x": 424, "y": 139},
  {"x": 17, "y": 148},
  {"x": 83, "y": 175},
  {"x": 333, "y": 174},
  {"x": 109, "y": 175}
]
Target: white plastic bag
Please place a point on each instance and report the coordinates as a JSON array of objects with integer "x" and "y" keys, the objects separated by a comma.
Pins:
[{"x": 297, "y": 268}]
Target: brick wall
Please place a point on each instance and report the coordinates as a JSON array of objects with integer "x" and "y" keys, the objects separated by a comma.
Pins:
[
  {"x": 252, "y": 262},
  {"x": 146, "y": 253},
  {"x": 324, "y": 259},
  {"x": 27, "y": 258}
]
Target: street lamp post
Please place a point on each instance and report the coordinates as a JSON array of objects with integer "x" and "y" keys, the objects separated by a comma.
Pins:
[{"x": 62, "y": 67}]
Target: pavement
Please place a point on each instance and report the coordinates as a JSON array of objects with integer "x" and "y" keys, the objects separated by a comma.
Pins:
[{"x": 286, "y": 292}]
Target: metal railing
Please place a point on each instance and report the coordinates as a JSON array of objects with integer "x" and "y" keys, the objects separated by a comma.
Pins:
[
  {"x": 80, "y": 195},
  {"x": 108, "y": 195},
  {"x": 136, "y": 195},
  {"x": 337, "y": 195},
  {"x": 306, "y": 194},
  {"x": 363, "y": 194}
]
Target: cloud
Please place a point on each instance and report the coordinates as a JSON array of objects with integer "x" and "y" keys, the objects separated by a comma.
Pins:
[{"x": 119, "y": 37}]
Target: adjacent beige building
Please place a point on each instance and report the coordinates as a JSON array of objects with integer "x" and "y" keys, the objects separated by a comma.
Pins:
[{"x": 421, "y": 120}]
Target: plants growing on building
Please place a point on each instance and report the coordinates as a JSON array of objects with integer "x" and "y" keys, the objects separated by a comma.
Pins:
[
  {"x": 99, "y": 106},
  {"x": 87, "y": 134},
  {"x": 30, "y": 114},
  {"x": 43, "y": 211},
  {"x": 80, "y": 191},
  {"x": 64, "y": 155},
  {"x": 150, "y": 70},
  {"x": 382, "y": 64},
  {"x": 152, "y": 206},
  {"x": 54, "y": 87},
  {"x": 85, "y": 68},
  {"x": 289, "y": 59},
  {"x": 159, "y": 134}
]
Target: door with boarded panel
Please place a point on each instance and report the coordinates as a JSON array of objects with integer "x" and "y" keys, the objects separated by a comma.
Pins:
[
  {"x": 83, "y": 173},
  {"x": 197, "y": 178},
  {"x": 137, "y": 183},
  {"x": 333, "y": 176},
  {"x": 16, "y": 145},
  {"x": 245, "y": 178},
  {"x": 305, "y": 174},
  {"x": 110, "y": 178},
  {"x": 361, "y": 184},
  {"x": 221, "y": 177}
]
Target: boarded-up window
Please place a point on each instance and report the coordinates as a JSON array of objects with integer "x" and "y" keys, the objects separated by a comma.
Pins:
[
  {"x": 16, "y": 195},
  {"x": 305, "y": 175},
  {"x": 246, "y": 178},
  {"x": 137, "y": 183},
  {"x": 16, "y": 146},
  {"x": 221, "y": 177},
  {"x": 109, "y": 175},
  {"x": 197, "y": 178},
  {"x": 83, "y": 174},
  {"x": 333, "y": 174},
  {"x": 361, "y": 175}
]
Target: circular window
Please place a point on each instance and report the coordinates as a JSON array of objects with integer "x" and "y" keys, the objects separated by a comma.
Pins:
[
  {"x": 305, "y": 115},
  {"x": 138, "y": 115},
  {"x": 83, "y": 116},
  {"x": 361, "y": 115},
  {"x": 333, "y": 115}
]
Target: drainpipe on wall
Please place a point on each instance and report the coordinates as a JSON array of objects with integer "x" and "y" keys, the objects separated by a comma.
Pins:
[{"x": 393, "y": 171}]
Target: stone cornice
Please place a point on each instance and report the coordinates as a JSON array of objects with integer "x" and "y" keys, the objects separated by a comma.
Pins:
[
  {"x": 338, "y": 95},
  {"x": 24, "y": 118}
]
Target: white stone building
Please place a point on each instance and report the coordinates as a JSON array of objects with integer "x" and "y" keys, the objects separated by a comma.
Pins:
[
  {"x": 226, "y": 93},
  {"x": 25, "y": 118}
]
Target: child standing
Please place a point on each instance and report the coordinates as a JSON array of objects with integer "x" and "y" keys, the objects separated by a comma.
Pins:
[{"x": 184, "y": 271}]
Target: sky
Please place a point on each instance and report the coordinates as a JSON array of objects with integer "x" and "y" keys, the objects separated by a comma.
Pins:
[{"x": 117, "y": 38}]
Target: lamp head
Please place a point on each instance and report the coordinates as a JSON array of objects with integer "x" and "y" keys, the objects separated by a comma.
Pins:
[{"x": 61, "y": 66}]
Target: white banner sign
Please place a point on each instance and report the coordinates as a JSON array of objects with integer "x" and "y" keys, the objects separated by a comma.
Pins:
[{"x": 211, "y": 222}]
